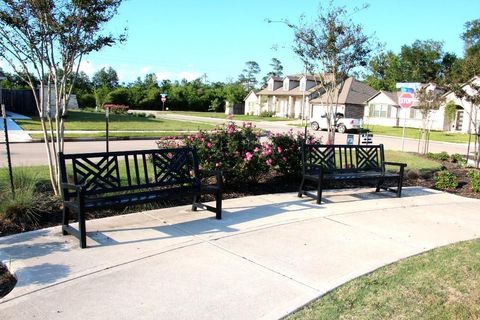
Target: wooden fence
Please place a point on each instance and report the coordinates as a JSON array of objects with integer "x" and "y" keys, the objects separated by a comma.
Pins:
[{"x": 20, "y": 101}]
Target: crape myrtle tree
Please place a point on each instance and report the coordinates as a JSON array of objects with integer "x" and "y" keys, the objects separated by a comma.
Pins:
[
  {"x": 331, "y": 47},
  {"x": 471, "y": 94},
  {"x": 46, "y": 40},
  {"x": 429, "y": 99}
]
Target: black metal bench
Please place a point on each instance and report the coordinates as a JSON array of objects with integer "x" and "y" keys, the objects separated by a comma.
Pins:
[
  {"x": 322, "y": 163},
  {"x": 92, "y": 181}
]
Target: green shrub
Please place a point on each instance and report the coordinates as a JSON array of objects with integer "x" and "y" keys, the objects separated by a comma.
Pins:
[
  {"x": 86, "y": 100},
  {"x": 21, "y": 208},
  {"x": 101, "y": 95},
  {"x": 267, "y": 114},
  {"x": 445, "y": 180},
  {"x": 118, "y": 96},
  {"x": 458, "y": 159},
  {"x": 235, "y": 150},
  {"x": 474, "y": 176},
  {"x": 441, "y": 156}
]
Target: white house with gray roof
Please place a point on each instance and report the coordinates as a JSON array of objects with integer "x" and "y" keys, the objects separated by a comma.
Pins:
[
  {"x": 383, "y": 109},
  {"x": 284, "y": 97}
]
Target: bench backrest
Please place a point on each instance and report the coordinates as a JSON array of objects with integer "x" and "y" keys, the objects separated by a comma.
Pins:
[
  {"x": 119, "y": 171},
  {"x": 342, "y": 158}
]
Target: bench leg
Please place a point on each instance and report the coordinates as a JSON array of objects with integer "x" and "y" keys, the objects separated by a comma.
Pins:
[
  {"x": 379, "y": 184},
  {"x": 82, "y": 228},
  {"x": 399, "y": 187},
  {"x": 300, "y": 190},
  {"x": 196, "y": 198},
  {"x": 218, "y": 211},
  {"x": 65, "y": 219},
  {"x": 319, "y": 192}
]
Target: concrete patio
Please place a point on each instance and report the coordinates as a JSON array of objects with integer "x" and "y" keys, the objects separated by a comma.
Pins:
[{"x": 269, "y": 255}]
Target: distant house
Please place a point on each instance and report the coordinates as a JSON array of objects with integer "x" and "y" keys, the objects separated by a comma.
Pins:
[
  {"x": 383, "y": 109},
  {"x": 252, "y": 104},
  {"x": 284, "y": 97},
  {"x": 351, "y": 100},
  {"x": 467, "y": 115}
]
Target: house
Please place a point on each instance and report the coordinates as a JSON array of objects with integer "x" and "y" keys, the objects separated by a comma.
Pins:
[
  {"x": 252, "y": 104},
  {"x": 467, "y": 115},
  {"x": 351, "y": 100},
  {"x": 383, "y": 109},
  {"x": 284, "y": 96}
]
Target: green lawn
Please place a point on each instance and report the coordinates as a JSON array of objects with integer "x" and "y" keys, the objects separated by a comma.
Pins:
[
  {"x": 440, "y": 284},
  {"x": 423, "y": 165},
  {"x": 220, "y": 115},
  {"x": 415, "y": 133},
  {"x": 95, "y": 121}
]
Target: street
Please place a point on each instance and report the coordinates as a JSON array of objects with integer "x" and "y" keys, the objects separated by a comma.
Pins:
[{"x": 24, "y": 154}]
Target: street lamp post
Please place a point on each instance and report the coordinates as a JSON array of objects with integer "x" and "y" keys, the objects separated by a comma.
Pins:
[{"x": 7, "y": 144}]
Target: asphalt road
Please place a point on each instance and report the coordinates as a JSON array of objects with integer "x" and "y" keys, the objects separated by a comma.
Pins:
[{"x": 35, "y": 154}]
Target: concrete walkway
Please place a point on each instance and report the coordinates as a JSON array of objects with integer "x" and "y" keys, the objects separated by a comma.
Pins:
[{"x": 269, "y": 255}]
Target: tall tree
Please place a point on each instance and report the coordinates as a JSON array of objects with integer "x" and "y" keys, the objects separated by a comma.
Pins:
[
  {"x": 429, "y": 99},
  {"x": 385, "y": 70},
  {"x": 471, "y": 37},
  {"x": 47, "y": 39},
  {"x": 248, "y": 77},
  {"x": 105, "y": 77},
  {"x": 332, "y": 46},
  {"x": 422, "y": 61},
  {"x": 277, "y": 70}
]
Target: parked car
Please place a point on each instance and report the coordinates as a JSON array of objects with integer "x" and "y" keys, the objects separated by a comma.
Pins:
[{"x": 342, "y": 124}]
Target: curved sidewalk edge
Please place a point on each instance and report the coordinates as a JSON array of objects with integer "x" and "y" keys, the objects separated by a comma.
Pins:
[{"x": 268, "y": 256}]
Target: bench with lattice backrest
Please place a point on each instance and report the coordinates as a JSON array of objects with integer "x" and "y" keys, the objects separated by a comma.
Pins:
[
  {"x": 322, "y": 163},
  {"x": 93, "y": 181}
]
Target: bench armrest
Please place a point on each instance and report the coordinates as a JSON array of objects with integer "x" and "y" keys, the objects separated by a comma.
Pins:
[{"x": 402, "y": 165}]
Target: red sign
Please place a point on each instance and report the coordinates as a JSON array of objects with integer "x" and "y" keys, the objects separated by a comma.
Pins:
[{"x": 406, "y": 100}]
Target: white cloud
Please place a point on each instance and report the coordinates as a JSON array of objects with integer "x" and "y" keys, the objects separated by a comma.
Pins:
[
  {"x": 87, "y": 67},
  {"x": 144, "y": 71},
  {"x": 188, "y": 75},
  {"x": 163, "y": 75}
]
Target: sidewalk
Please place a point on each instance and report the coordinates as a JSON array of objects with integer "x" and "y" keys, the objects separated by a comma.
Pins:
[{"x": 269, "y": 255}]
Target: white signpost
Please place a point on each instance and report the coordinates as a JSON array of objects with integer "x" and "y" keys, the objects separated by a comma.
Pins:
[
  {"x": 163, "y": 99},
  {"x": 405, "y": 101}
]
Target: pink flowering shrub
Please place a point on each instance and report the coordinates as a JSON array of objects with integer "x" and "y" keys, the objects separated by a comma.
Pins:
[
  {"x": 285, "y": 152},
  {"x": 235, "y": 150},
  {"x": 116, "y": 108}
]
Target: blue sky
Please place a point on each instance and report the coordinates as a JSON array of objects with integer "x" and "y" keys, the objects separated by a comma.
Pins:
[{"x": 189, "y": 38}]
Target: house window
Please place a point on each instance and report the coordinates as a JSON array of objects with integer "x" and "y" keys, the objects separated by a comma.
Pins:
[
  {"x": 270, "y": 86},
  {"x": 302, "y": 85},
  {"x": 285, "y": 85},
  {"x": 379, "y": 110},
  {"x": 415, "y": 114}
]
